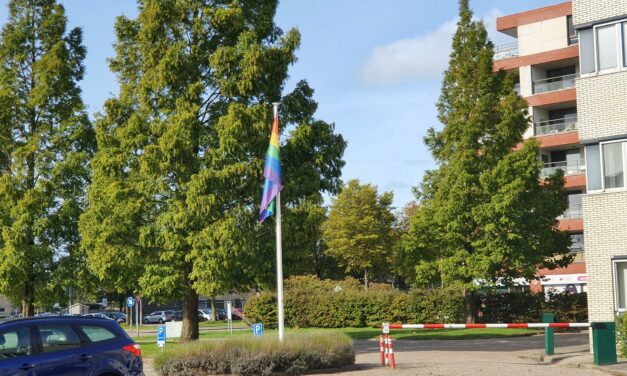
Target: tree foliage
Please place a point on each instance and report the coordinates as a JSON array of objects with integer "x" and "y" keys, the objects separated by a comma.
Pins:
[
  {"x": 178, "y": 174},
  {"x": 484, "y": 215},
  {"x": 46, "y": 141},
  {"x": 359, "y": 231}
]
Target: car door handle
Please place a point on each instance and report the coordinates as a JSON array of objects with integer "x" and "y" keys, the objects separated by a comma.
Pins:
[
  {"x": 27, "y": 366},
  {"x": 85, "y": 357}
]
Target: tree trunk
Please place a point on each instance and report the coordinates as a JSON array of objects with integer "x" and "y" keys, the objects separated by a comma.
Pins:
[
  {"x": 366, "y": 283},
  {"x": 190, "y": 316},
  {"x": 469, "y": 306},
  {"x": 28, "y": 300},
  {"x": 213, "y": 309}
]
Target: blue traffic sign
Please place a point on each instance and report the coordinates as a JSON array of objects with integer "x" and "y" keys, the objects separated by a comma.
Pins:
[
  {"x": 257, "y": 330},
  {"x": 130, "y": 301},
  {"x": 161, "y": 336}
]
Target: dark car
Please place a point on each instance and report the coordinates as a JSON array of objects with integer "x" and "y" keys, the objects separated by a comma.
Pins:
[
  {"x": 66, "y": 345},
  {"x": 117, "y": 316},
  {"x": 178, "y": 316}
]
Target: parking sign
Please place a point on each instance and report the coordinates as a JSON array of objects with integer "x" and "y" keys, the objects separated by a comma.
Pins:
[
  {"x": 257, "y": 330},
  {"x": 161, "y": 336}
]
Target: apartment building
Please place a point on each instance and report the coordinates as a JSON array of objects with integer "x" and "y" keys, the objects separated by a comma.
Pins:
[
  {"x": 545, "y": 57},
  {"x": 601, "y": 93}
]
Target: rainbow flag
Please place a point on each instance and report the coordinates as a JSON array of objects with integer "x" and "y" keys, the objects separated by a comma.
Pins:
[{"x": 272, "y": 173}]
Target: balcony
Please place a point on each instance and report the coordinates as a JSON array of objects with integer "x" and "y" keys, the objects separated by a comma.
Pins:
[
  {"x": 556, "y": 126},
  {"x": 576, "y": 247},
  {"x": 506, "y": 51},
  {"x": 573, "y": 212},
  {"x": 569, "y": 168},
  {"x": 554, "y": 83}
]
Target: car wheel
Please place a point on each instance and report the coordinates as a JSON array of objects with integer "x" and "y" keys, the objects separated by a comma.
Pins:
[
  {"x": 160, "y": 321},
  {"x": 145, "y": 321}
]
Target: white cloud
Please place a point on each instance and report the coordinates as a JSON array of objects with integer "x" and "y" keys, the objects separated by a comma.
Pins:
[{"x": 422, "y": 57}]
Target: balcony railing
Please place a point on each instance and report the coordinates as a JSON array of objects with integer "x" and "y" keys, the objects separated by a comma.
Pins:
[
  {"x": 573, "y": 212},
  {"x": 576, "y": 247},
  {"x": 517, "y": 88},
  {"x": 569, "y": 168},
  {"x": 554, "y": 83},
  {"x": 506, "y": 51},
  {"x": 555, "y": 126}
]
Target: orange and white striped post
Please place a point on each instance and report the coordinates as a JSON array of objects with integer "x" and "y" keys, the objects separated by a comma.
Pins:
[
  {"x": 381, "y": 350},
  {"x": 391, "y": 353}
]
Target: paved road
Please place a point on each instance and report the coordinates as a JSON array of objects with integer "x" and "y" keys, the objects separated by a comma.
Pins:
[{"x": 489, "y": 357}]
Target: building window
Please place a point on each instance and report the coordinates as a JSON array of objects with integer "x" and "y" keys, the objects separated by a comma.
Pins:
[
  {"x": 613, "y": 176},
  {"x": 593, "y": 168},
  {"x": 603, "y": 48},
  {"x": 620, "y": 285},
  {"x": 606, "y": 47}
]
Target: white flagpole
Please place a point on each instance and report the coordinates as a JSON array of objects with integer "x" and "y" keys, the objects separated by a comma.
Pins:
[{"x": 279, "y": 255}]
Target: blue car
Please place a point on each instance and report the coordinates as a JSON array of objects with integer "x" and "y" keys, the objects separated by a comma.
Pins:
[{"x": 67, "y": 346}]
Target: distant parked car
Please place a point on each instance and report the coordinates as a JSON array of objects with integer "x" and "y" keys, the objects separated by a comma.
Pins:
[
  {"x": 159, "y": 317},
  {"x": 221, "y": 314},
  {"x": 117, "y": 316},
  {"x": 204, "y": 314},
  {"x": 178, "y": 316},
  {"x": 99, "y": 315},
  {"x": 66, "y": 345}
]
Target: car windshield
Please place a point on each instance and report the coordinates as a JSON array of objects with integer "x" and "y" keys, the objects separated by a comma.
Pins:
[{"x": 204, "y": 310}]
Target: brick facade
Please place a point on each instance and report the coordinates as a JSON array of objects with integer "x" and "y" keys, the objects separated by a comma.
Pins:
[
  {"x": 601, "y": 105},
  {"x": 605, "y": 236},
  {"x": 586, "y": 11}
]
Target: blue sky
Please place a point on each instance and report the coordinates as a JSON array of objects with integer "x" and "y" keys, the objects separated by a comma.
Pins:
[{"x": 375, "y": 66}]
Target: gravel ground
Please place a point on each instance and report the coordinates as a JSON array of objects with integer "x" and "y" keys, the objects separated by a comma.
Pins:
[{"x": 489, "y": 357}]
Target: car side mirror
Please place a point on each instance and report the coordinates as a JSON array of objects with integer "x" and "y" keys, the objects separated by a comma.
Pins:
[{"x": 2, "y": 339}]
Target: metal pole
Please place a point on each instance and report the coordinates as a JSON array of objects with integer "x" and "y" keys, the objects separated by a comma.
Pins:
[
  {"x": 279, "y": 253},
  {"x": 137, "y": 317},
  {"x": 279, "y": 267}
]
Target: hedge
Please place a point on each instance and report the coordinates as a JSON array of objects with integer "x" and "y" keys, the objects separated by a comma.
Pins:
[
  {"x": 310, "y": 302},
  {"x": 296, "y": 354}
]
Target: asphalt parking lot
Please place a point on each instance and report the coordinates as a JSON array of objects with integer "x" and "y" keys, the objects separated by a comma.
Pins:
[{"x": 489, "y": 357}]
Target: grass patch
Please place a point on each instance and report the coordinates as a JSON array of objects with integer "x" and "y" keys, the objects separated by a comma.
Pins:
[
  {"x": 246, "y": 355},
  {"x": 150, "y": 349}
]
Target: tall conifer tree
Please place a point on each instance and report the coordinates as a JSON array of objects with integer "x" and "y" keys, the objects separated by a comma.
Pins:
[
  {"x": 485, "y": 215},
  {"x": 178, "y": 174},
  {"x": 46, "y": 141}
]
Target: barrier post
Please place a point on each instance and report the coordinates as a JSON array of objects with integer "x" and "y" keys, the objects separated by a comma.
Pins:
[
  {"x": 391, "y": 353},
  {"x": 604, "y": 343},
  {"x": 381, "y": 350},
  {"x": 549, "y": 334}
]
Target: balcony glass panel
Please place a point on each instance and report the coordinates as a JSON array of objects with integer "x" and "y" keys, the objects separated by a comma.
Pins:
[
  {"x": 554, "y": 83},
  {"x": 556, "y": 126},
  {"x": 506, "y": 51},
  {"x": 570, "y": 168},
  {"x": 573, "y": 212}
]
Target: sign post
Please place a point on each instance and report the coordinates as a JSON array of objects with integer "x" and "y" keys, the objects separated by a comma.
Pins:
[
  {"x": 130, "y": 302},
  {"x": 137, "y": 318},
  {"x": 229, "y": 316},
  {"x": 161, "y": 337}
]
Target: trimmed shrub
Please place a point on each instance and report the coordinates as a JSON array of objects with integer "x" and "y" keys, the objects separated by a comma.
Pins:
[
  {"x": 621, "y": 335},
  {"x": 296, "y": 354},
  {"x": 313, "y": 303}
]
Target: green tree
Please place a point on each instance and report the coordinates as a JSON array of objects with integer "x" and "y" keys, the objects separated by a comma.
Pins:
[
  {"x": 46, "y": 141},
  {"x": 178, "y": 174},
  {"x": 359, "y": 231},
  {"x": 485, "y": 216}
]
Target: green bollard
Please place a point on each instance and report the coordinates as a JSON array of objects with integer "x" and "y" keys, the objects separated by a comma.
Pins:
[
  {"x": 604, "y": 343},
  {"x": 549, "y": 334}
]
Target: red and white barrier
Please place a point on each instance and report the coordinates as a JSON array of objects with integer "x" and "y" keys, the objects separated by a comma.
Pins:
[
  {"x": 484, "y": 326},
  {"x": 387, "y": 351}
]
